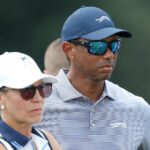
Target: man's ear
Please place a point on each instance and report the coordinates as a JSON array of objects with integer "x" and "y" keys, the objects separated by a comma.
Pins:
[{"x": 69, "y": 50}]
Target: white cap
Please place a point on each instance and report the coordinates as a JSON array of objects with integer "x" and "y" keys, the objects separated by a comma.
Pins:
[{"x": 18, "y": 70}]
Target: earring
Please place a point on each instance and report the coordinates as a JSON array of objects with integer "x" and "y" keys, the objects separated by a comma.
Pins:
[{"x": 2, "y": 106}]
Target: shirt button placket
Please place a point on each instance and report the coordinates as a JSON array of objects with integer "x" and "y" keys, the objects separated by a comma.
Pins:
[
  {"x": 93, "y": 124},
  {"x": 93, "y": 109},
  {"x": 92, "y": 115}
]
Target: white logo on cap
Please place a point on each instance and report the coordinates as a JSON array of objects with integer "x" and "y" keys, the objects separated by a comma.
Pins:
[{"x": 102, "y": 18}]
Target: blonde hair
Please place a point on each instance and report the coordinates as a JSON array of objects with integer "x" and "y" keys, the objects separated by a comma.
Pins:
[{"x": 55, "y": 58}]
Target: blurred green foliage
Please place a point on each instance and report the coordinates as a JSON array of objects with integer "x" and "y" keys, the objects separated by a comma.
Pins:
[{"x": 29, "y": 26}]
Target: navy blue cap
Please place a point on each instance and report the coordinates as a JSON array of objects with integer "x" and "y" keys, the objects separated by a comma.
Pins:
[{"x": 90, "y": 23}]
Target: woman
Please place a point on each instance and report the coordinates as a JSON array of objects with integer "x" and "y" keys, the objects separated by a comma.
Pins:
[{"x": 23, "y": 88}]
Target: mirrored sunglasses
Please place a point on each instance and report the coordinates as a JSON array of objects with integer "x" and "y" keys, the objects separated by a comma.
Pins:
[
  {"x": 28, "y": 93},
  {"x": 99, "y": 47}
]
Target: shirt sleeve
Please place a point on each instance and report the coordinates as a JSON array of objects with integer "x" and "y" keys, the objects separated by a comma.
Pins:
[{"x": 146, "y": 139}]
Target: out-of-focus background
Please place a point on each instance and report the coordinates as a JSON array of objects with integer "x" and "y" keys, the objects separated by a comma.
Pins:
[{"x": 30, "y": 25}]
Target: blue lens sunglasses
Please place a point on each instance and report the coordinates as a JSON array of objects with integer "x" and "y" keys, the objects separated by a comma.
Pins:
[{"x": 99, "y": 47}]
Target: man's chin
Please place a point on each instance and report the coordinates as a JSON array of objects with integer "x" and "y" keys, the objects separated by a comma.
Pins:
[{"x": 105, "y": 77}]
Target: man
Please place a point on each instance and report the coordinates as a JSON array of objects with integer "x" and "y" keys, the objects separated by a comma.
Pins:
[
  {"x": 85, "y": 110},
  {"x": 55, "y": 58}
]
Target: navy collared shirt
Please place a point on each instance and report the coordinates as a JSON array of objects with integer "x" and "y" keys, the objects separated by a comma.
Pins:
[{"x": 19, "y": 141}]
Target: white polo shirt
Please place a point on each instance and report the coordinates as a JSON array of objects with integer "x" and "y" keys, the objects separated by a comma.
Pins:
[{"x": 119, "y": 120}]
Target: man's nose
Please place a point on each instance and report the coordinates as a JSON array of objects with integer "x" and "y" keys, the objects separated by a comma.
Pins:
[{"x": 109, "y": 53}]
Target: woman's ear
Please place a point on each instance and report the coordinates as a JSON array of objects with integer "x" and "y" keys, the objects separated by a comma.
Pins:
[
  {"x": 1, "y": 97},
  {"x": 69, "y": 49},
  {"x": 2, "y": 101}
]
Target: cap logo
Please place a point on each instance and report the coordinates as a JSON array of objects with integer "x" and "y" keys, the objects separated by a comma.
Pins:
[
  {"x": 23, "y": 58},
  {"x": 102, "y": 18},
  {"x": 26, "y": 61}
]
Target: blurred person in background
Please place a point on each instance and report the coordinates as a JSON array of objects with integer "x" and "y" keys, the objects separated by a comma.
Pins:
[
  {"x": 86, "y": 111},
  {"x": 23, "y": 88},
  {"x": 55, "y": 58}
]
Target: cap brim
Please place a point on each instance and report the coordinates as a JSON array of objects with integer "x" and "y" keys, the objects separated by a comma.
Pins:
[
  {"x": 106, "y": 32},
  {"x": 49, "y": 79},
  {"x": 29, "y": 80}
]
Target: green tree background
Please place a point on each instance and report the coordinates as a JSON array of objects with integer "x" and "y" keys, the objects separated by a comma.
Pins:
[{"x": 29, "y": 26}]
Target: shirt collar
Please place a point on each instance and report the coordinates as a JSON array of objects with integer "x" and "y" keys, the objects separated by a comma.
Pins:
[
  {"x": 68, "y": 92},
  {"x": 12, "y": 136},
  {"x": 65, "y": 88},
  {"x": 109, "y": 90}
]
